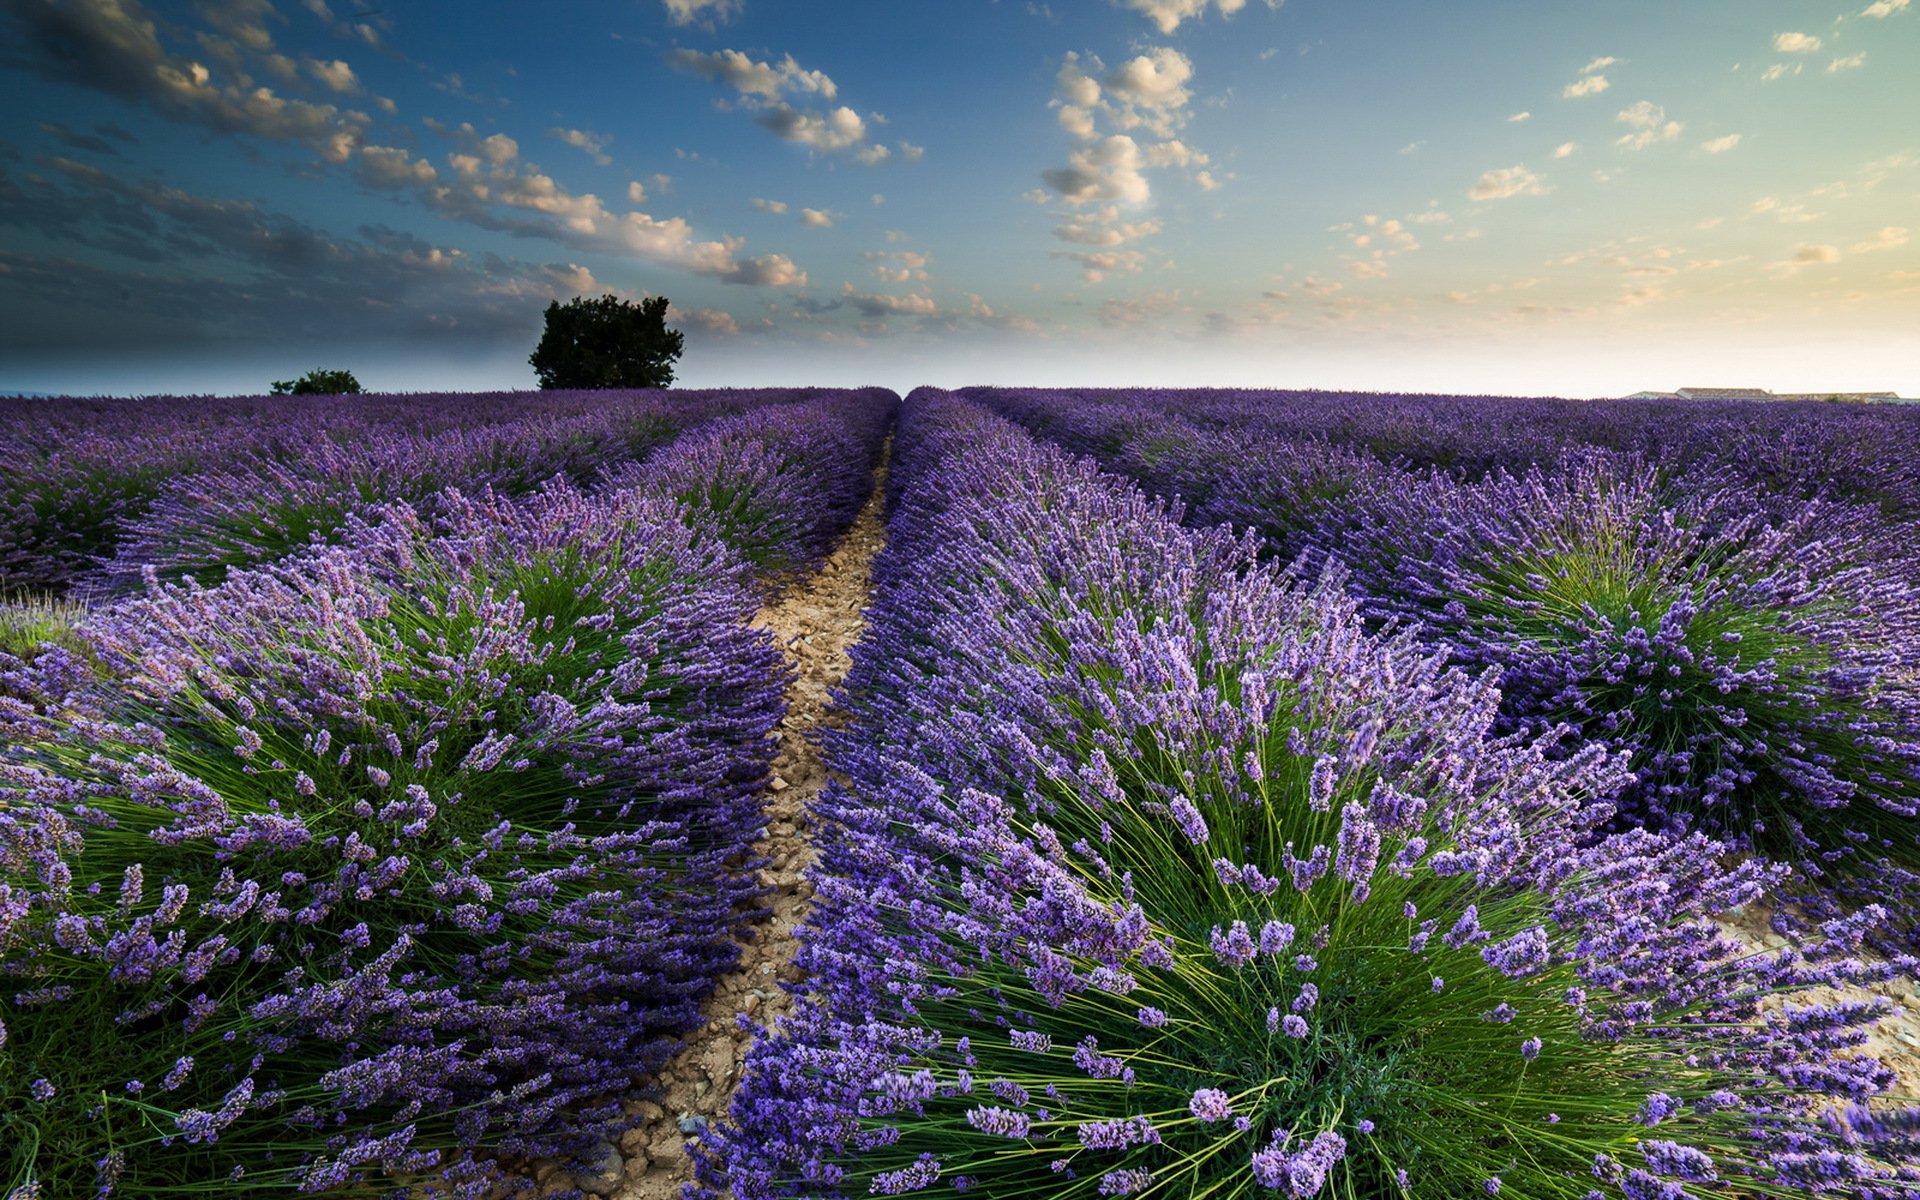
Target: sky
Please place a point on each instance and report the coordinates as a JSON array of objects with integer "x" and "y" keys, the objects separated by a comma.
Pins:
[{"x": 1553, "y": 197}]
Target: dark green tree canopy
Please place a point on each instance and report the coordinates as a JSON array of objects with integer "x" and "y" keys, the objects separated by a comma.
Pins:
[
  {"x": 606, "y": 343},
  {"x": 319, "y": 382}
]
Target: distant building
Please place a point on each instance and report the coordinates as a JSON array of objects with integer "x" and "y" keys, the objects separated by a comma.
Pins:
[
  {"x": 1716, "y": 393},
  {"x": 1720, "y": 393},
  {"x": 1844, "y": 397}
]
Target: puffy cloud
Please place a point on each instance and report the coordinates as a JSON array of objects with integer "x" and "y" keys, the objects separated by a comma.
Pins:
[
  {"x": 1565, "y": 149},
  {"x": 1586, "y": 85},
  {"x": 1175, "y": 154},
  {"x": 1721, "y": 145},
  {"x": 1107, "y": 171},
  {"x": 636, "y": 192},
  {"x": 336, "y": 74},
  {"x": 1105, "y": 229},
  {"x": 911, "y": 152},
  {"x": 838, "y": 129},
  {"x": 878, "y": 306},
  {"x": 1149, "y": 91},
  {"x": 767, "y": 270},
  {"x": 767, "y": 81},
  {"x": 392, "y": 167},
  {"x": 772, "y": 206},
  {"x": 713, "y": 322},
  {"x": 113, "y": 46},
  {"x": 215, "y": 269},
  {"x": 1848, "y": 63},
  {"x": 899, "y": 266},
  {"x": 1167, "y": 14},
  {"x": 1780, "y": 71},
  {"x": 593, "y": 145},
  {"x": 1096, "y": 265},
  {"x": 1881, "y": 9},
  {"x": 686, "y": 12},
  {"x": 1796, "y": 43},
  {"x": 1649, "y": 124},
  {"x": 819, "y": 218},
  {"x": 1504, "y": 182},
  {"x": 1889, "y": 238},
  {"x": 1808, "y": 254},
  {"x": 1518, "y": 117},
  {"x": 1598, "y": 64}
]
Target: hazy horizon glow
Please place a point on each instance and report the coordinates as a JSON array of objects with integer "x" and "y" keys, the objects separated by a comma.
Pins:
[{"x": 1558, "y": 199}]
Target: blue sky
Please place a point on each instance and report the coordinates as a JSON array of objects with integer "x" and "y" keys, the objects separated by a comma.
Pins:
[{"x": 1569, "y": 198}]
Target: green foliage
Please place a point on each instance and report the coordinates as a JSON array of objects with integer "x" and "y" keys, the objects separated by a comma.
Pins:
[
  {"x": 319, "y": 382},
  {"x": 606, "y": 343},
  {"x": 29, "y": 622}
]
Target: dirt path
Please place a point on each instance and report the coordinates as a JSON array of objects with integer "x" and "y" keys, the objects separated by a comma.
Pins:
[{"x": 815, "y": 622}]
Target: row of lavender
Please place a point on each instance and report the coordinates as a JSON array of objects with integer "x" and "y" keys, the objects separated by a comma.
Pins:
[
  {"x": 1752, "y": 644},
  {"x": 1157, "y": 872},
  {"x": 390, "y": 857},
  {"x": 94, "y": 492},
  {"x": 1860, "y": 452}
]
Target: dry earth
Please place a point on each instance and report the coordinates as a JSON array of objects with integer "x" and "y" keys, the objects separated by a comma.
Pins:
[
  {"x": 1895, "y": 1040},
  {"x": 815, "y": 620}
]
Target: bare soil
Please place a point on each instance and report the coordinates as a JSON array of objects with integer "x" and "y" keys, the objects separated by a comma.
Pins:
[
  {"x": 815, "y": 620},
  {"x": 1894, "y": 1041}
]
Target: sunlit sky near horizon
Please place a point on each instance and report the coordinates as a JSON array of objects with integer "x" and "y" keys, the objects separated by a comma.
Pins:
[{"x": 1543, "y": 198}]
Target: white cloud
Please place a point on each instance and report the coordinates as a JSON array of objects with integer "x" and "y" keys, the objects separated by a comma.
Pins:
[
  {"x": 1149, "y": 91},
  {"x": 1807, "y": 254},
  {"x": 1586, "y": 85},
  {"x": 876, "y": 306},
  {"x": 390, "y": 166},
  {"x": 838, "y": 129},
  {"x": 593, "y": 145},
  {"x": 714, "y": 322},
  {"x": 1649, "y": 124},
  {"x": 1518, "y": 117},
  {"x": 1097, "y": 265},
  {"x": 1796, "y": 43},
  {"x": 1721, "y": 145},
  {"x": 1105, "y": 229},
  {"x": 819, "y": 218},
  {"x": 1848, "y": 63},
  {"x": 1206, "y": 182},
  {"x": 1881, "y": 9},
  {"x": 1598, "y": 64},
  {"x": 685, "y": 12},
  {"x": 911, "y": 152},
  {"x": 636, "y": 192},
  {"x": 1167, "y": 14},
  {"x": 1175, "y": 154},
  {"x": 772, "y": 206},
  {"x": 1107, "y": 171},
  {"x": 1892, "y": 237},
  {"x": 336, "y": 74},
  {"x": 1565, "y": 149},
  {"x": 1504, "y": 182},
  {"x": 765, "y": 81},
  {"x": 1780, "y": 71}
]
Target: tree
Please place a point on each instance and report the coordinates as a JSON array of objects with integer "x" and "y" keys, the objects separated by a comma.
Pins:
[
  {"x": 319, "y": 382},
  {"x": 606, "y": 343}
]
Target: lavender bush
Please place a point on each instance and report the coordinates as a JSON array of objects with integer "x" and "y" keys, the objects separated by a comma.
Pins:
[
  {"x": 358, "y": 866},
  {"x": 778, "y": 484},
  {"x": 77, "y": 476},
  {"x": 1156, "y": 873}
]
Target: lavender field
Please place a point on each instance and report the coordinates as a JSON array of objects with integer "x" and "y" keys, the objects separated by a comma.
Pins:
[{"x": 1228, "y": 794}]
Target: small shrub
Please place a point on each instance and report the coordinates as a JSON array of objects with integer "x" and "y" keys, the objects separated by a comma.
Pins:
[{"x": 319, "y": 382}]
